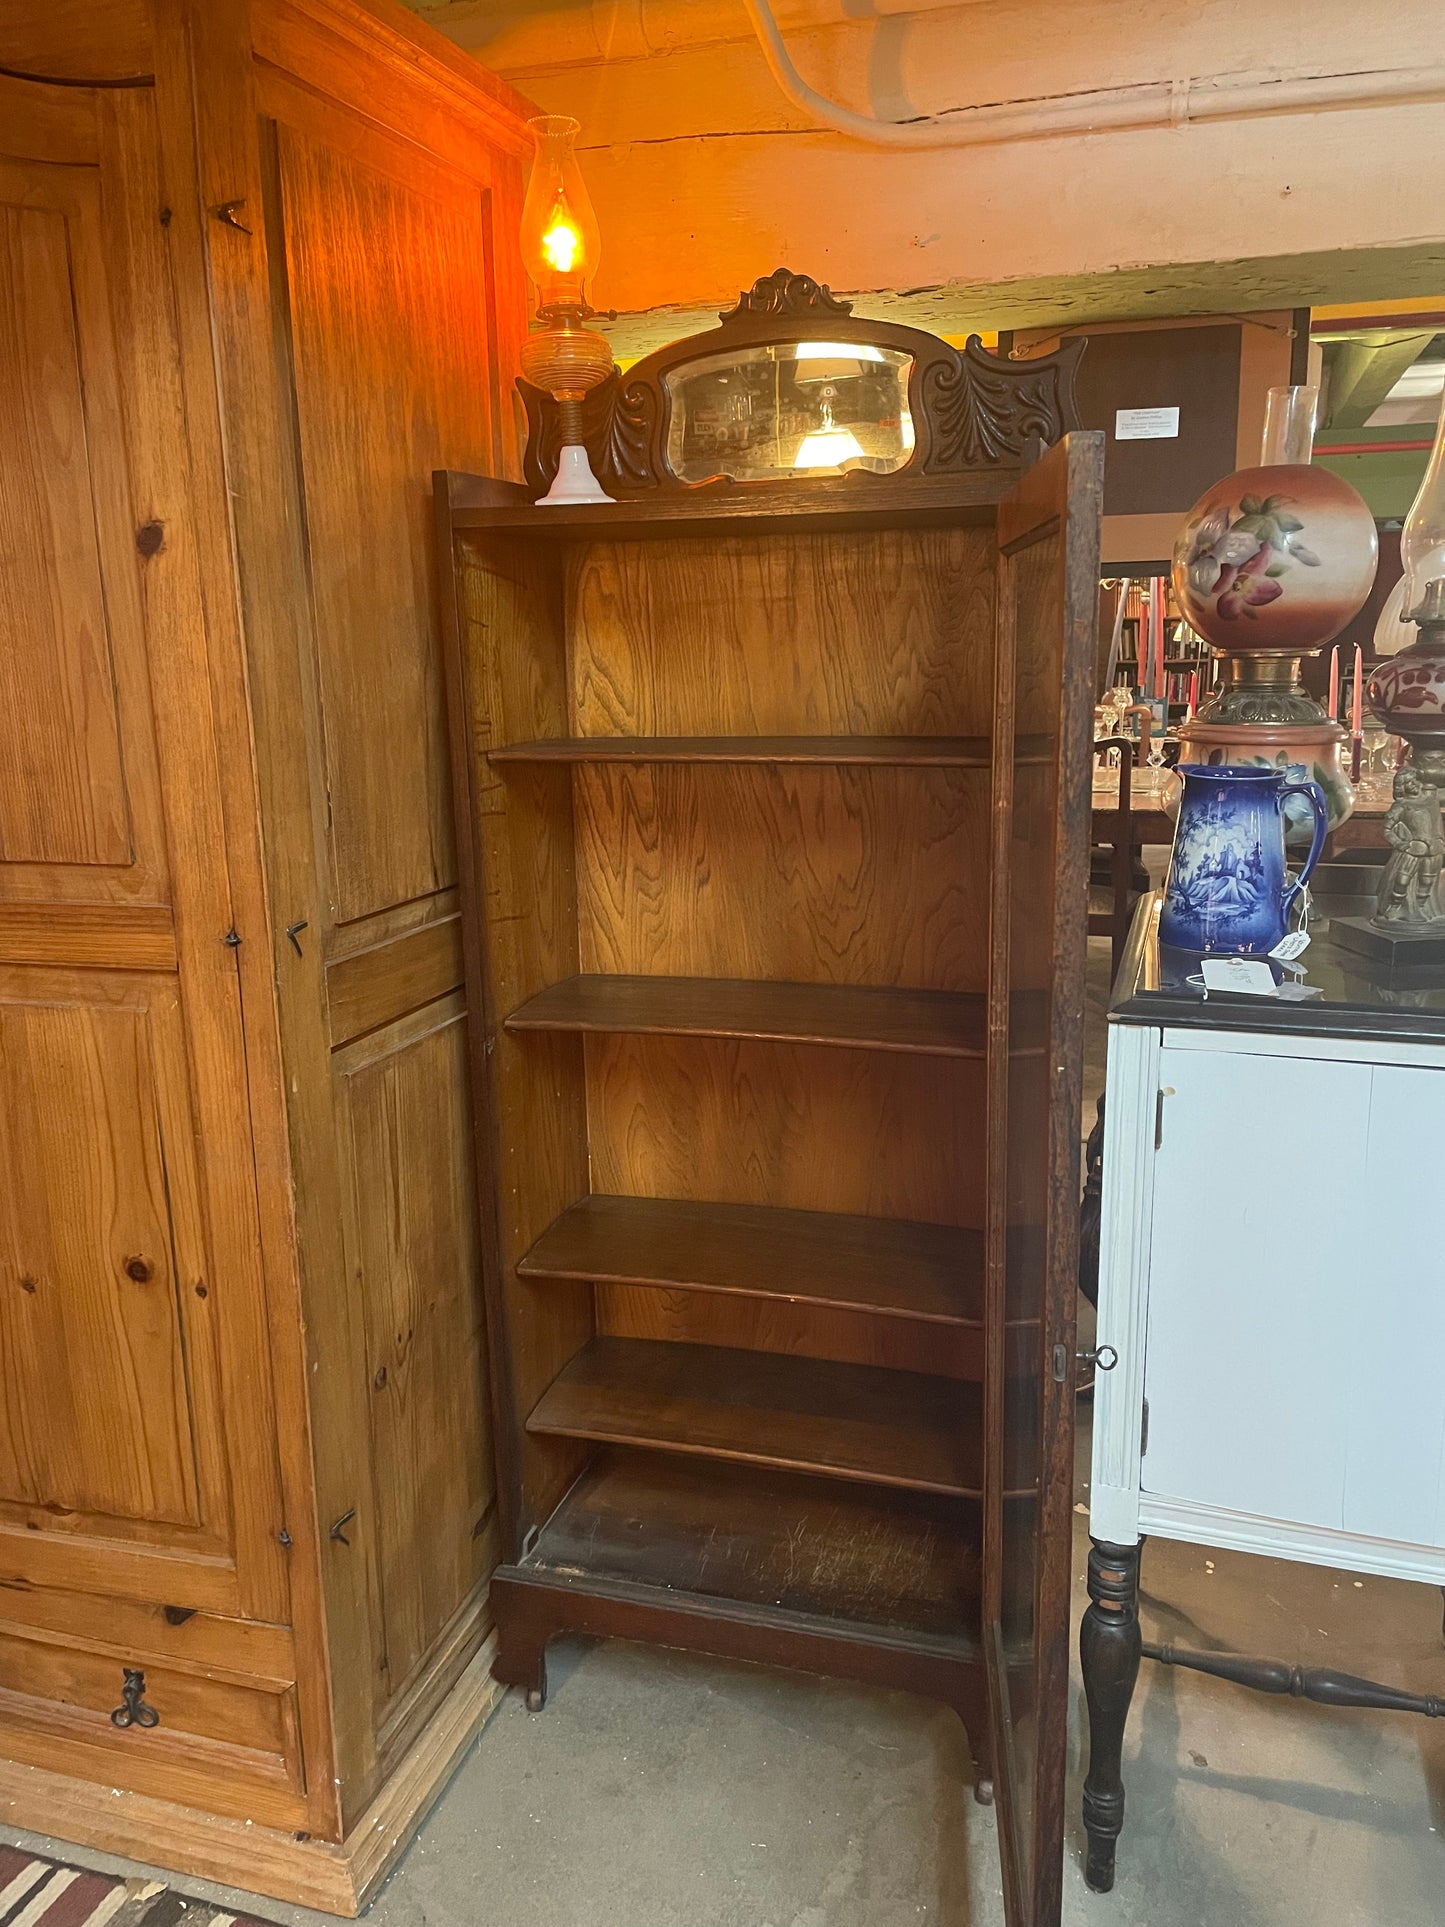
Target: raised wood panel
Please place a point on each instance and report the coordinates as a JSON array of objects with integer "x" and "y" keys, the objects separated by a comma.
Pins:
[
  {"x": 853, "y": 876},
  {"x": 387, "y": 288},
  {"x": 70, "y": 40},
  {"x": 97, "y": 1414},
  {"x": 816, "y": 1129},
  {"x": 107, "y": 937},
  {"x": 48, "y": 123},
  {"x": 62, "y": 787},
  {"x": 864, "y": 633},
  {"x": 371, "y": 987},
  {"x": 418, "y": 1274},
  {"x": 80, "y": 817}
]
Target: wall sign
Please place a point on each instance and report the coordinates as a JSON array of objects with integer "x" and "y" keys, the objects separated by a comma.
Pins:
[{"x": 1146, "y": 424}]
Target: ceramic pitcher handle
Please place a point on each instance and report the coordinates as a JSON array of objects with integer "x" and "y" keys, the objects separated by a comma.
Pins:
[{"x": 1322, "y": 826}]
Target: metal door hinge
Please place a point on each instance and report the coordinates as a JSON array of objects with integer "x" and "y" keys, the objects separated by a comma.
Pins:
[{"x": 1144, "y": 1431}]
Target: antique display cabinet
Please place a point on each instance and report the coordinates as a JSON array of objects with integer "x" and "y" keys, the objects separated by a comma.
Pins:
[{"x": 772, "y": 781}]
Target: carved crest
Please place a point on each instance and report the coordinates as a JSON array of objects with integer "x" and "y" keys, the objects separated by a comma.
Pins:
[
  {"x": 971, "y": 410},
  {"x": 786, "y": 296},
  {"x": 983, "y": 412}
]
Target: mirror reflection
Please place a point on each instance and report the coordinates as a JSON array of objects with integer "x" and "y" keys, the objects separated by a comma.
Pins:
[{"x": 790, "y": 408}]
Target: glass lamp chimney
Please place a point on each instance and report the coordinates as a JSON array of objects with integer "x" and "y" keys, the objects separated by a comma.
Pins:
[{"x": 561, "y": 245}]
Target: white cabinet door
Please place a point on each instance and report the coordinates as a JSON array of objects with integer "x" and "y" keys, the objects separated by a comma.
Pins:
[
  {"x": 1296, "y": 1326},
  {"x": 1394, "y": 1335}
]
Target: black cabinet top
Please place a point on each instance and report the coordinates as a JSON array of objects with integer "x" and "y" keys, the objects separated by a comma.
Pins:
[{"x": 1157, "y": 985}]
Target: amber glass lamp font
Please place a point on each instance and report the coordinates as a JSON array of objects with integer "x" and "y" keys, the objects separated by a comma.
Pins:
[{"x": 560, "y": 249}]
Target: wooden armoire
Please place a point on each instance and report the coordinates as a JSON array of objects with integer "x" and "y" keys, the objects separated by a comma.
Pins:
[
  {"x": 258, "y": 277},
  {"x": 773, "y": 792}
]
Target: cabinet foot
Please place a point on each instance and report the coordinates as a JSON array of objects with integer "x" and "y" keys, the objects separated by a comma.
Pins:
[
  {"x": 1109, "y": 1647},
  {"x": 536, "y": 1698},
  {"x": 983, "y": 1790}
]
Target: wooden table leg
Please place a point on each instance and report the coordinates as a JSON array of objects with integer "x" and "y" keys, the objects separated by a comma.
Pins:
[{"x": 1109, "y": 1643}]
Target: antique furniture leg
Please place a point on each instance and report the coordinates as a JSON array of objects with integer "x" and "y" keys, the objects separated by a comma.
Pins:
[
  {"x": 1109, "y": 1647},
  {"x": 522, "y": 1635}
]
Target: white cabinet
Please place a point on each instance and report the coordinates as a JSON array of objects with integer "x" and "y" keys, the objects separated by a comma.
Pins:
[{"x": 1272, "y": 1277}]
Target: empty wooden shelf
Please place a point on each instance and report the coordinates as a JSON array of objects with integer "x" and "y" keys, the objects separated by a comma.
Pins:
[
  {"x": 936, "y": 1022},
  {"x": 769, "y": 1408},
  {"x": 917, "y": 752},
  {"x": 775, "y": 797},
  {"x": 924, "y": 1271}
]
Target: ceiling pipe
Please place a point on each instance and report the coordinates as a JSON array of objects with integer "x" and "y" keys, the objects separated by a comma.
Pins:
[{"x": 1147, "y": 104}]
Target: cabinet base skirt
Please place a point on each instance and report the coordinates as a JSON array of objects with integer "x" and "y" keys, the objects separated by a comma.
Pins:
[
  {"x": 335, "y": 1878},
  {"x": 532, "y": 1608}
]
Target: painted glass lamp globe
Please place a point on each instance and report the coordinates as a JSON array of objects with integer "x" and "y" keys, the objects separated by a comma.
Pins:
[{"x": 1270, "y": 565}]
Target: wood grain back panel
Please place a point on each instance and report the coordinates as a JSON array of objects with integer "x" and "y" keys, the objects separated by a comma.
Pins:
[
  {"x": 387, "y": 287},
  {"x": 79, "y": 817},
  {"x": 855, "y": 875},
  {"x": 806, "y": 1126},
  {"x": 857, "y": 633}
]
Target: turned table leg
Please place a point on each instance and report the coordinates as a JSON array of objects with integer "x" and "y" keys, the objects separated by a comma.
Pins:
[{"x": 1109, "y": 1642}]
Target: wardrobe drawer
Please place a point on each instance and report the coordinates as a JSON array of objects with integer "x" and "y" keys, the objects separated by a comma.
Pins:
[{"x": 152, "y": 1725}]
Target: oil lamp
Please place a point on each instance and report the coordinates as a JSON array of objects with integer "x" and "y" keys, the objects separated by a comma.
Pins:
[{"x": 560, "y": 249}]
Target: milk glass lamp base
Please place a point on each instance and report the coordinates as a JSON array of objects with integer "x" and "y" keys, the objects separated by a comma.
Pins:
[{"x": 574, "y": 480}]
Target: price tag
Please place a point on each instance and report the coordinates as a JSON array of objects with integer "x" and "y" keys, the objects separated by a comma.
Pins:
[
  {"x": 1146, "y": 424},
  {"x": 1292, "y": 946},
  {"x": 1250, "y": 975}
]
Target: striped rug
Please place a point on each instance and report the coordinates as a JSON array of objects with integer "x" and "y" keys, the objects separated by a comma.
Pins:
[{"x": 43, "y": 1893}]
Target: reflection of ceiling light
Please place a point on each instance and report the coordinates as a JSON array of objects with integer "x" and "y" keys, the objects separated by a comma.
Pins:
[
  {"x": 835, "y": 350},
  {"x": 828, "y": 448}
]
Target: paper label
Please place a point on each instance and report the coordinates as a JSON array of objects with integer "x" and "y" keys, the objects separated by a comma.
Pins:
[
  {"x": 1251, "y": 975},
  {"x": 1145, "y": 424},
  {"x": 1292, "y": 946}
]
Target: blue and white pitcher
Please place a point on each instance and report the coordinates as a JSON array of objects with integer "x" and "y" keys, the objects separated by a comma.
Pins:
[{"x": 1229, "y": 890}]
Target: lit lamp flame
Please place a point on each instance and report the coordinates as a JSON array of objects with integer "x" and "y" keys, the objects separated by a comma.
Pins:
[{"x": 562, "y": 243}]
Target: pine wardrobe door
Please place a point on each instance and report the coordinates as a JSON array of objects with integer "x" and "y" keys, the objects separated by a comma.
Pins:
[
  {"x": 137, "y": 1447},
  {"x": 1048, "y": 536}
]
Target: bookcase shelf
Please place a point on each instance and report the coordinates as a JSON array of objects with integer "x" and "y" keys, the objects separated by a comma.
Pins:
[
  {"x": 859, "y": 1017},
  {"x": 907, "y": 752},
  {"x": 932, "y": 1272},
  {"x": 771, "y": 1408}
]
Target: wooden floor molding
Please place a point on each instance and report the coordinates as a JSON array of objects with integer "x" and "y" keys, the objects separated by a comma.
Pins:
[{"x": 263, "y": 1860}]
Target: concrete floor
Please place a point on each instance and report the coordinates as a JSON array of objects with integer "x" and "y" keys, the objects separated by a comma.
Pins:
[{"x": 658, "y": 1790}]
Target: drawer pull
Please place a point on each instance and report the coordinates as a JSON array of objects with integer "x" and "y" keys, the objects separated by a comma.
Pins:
[{"x": 133, "y": 1710}]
